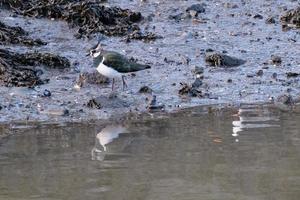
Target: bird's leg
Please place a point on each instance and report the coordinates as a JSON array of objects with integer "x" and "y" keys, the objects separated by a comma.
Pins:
[
  {"x": 124, "y": 83},
  {"x": 113, "y": 83}
]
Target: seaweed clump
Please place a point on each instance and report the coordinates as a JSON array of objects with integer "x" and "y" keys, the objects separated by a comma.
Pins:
[
  {"x": 89, "y": 16},
  {"x": 291, "y": 19},
  {"x": 16, "y": 35},
  {"x": 19, "y": 69}
]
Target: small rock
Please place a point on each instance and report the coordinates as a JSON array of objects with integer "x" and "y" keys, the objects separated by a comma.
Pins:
[
  {"x": 260, "y": 72},
  {"x": 197, "y": 83},
  {"x": 145, "y": 89},
  {"x": 198, "y": 8},
  {"x": 276, "y": 60},
  {"x": 198, "y": 70},
  {"x": 286, "y": 99},
  {"x": 46, "y": 93},
  {"x": 258, "y": 16},
  {"x": 270, "y": 20},
  {"x": 274, "y": 75},
  {"x": 292, "y": 74},
  {"x": 222, "y": 60}
]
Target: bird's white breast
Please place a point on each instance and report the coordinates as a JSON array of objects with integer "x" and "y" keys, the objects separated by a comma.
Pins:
[{"x": 107, "y": 71}]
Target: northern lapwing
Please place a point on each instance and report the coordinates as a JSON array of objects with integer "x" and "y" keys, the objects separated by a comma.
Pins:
[{"x": 114, "y": 65}]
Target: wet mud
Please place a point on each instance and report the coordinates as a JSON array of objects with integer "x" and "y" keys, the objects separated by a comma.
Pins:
[{"x": 213, "y": 52}]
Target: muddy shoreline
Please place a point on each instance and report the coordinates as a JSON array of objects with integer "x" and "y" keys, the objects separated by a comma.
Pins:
[{"x": 267, "y": 61}]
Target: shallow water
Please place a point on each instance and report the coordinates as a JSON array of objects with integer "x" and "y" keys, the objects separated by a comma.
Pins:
[{"x": 252, "y": 153}]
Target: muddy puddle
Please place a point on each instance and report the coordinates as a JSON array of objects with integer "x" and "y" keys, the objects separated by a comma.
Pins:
[{"x": 249, "y": 153}]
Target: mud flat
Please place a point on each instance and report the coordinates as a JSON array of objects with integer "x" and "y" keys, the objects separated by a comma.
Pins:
[{"x": 190, "y": 48}]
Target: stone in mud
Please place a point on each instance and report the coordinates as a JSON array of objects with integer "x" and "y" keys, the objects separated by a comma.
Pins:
[
  {"x": 291, "y": 19},
  {"x": 145, "y": 89},
  {"x": 89, "y": 16},
  {"x": 276, "y": 60},
  {"x": 197, "y": 8},
  {"x": 46, "y": 93},
  {"x": 270, "y": 20},
  {"x": 198, "y": 70},
  {"x": 292, "y": 74},
  {"x": 197, "y": 83},
  {"x": 19, "y": 69},
  {"x": 16, "y": 35},
  {"x": 258, "y": 16},
  {"x": 222, "y": 60},
  {"x": 286, "y": 99},
  {"x": 260, "y": 72}
]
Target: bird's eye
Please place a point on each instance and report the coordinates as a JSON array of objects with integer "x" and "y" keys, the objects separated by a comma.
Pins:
[{"x": 93, "y": 51}]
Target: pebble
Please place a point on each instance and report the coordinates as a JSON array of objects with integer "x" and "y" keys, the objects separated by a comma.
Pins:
[
  {"x": 145, "y": 89},
  {"x": 276, "y": 60},
  {"x": 46, "y": 93},
  {"x": 198, "y": 70}
]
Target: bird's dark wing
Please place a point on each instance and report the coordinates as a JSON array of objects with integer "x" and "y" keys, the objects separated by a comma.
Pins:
[
  {"x": 121, "y": 64},
  {"x": 116, "y": 61}
]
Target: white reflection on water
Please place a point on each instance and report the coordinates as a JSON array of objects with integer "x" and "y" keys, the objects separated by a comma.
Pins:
[
  {"x": 250, "y": 118},
  {"x": 105, "y": 137}
]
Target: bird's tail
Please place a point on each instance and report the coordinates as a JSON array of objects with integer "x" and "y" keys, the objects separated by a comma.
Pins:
[{"x": 137, "y": 67}]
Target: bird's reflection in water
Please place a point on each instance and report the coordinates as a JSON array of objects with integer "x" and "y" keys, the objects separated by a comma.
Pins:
[
  {"x": 250, "y": 118},
  {"x": 104, "y": 142}
]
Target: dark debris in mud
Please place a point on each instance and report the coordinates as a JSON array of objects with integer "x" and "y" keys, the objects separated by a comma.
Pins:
[
  {"x": 18, "y": 69},
  {"x": 103, "y": 102},
  {"x": 16, "y": 35},
  {"x": 292, "y": 74},
  {"x": 145, "y": 37},
  {"x": 221, "y": 60},
  {"x": 94, "y": 103},
  {"x": 154, "y": 106},
  {"x": 88, "y": 16},
  {"x": 291, "y": 19},
  {"x": 188, "y": 90}
]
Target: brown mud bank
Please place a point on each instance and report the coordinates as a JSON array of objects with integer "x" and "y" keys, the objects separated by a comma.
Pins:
[{"x": 216, "y": 52}]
